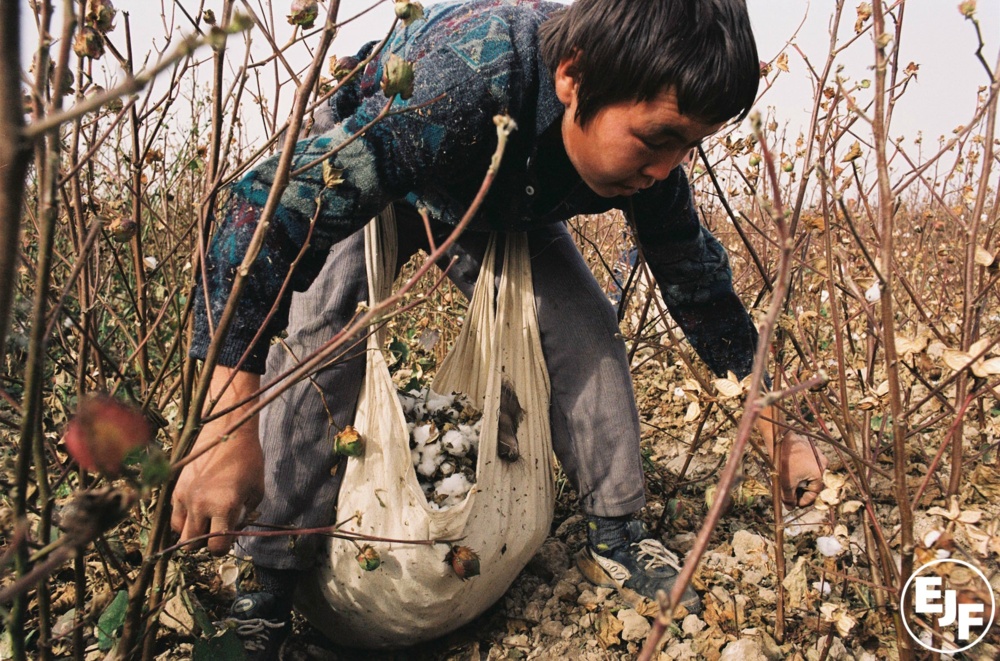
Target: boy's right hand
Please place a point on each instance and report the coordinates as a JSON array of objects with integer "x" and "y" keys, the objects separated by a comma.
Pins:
[{"x": 216, "y": 491}]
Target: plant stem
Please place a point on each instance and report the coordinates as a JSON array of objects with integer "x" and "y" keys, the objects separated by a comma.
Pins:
[{"x": 886, "y": 207}]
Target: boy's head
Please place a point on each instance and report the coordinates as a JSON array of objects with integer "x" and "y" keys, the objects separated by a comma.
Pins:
[{"x": 634, "y": 50}]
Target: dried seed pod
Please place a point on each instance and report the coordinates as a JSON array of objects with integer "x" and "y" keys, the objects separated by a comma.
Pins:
[
  {"x": 123, "y": 229},
  {"x": 303, "y": 13},
  {"x": 407, "y": 11},
  {"x": 369, "y": 558},
  {"x": 341, "y": 66},
  {"x": 349, "y": 443},
  {"x": 89, "y": 43},
  {"x": 103, "y": 432},
  {"x": 101, "y": 15},
  {"x": 397, "y": 78},
  {"x": 464, "y": 562}
]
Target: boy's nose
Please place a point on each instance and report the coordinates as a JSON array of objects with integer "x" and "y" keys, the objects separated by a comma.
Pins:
[{"x": 661, "y": 168}]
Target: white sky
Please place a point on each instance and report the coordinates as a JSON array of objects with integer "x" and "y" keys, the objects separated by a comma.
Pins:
[{"x": 935, "y": 36}]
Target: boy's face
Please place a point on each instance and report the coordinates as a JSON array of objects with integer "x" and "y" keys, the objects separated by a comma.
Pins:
[{"x": 630, "y": 145}]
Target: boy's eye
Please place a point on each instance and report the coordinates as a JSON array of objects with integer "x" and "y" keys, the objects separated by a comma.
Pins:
[{"x": 663, "y": 143}]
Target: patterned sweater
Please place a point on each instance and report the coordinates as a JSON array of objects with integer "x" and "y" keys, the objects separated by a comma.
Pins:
[{"x": 482, "y": 58}]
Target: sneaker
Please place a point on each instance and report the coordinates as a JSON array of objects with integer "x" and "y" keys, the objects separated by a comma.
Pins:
[
  {"x": 620, "y": 554},
  {"x": 263, "y": 622}
]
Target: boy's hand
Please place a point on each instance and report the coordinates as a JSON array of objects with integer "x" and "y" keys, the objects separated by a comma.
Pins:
[
  {"x": 802, "y": 467},
  {"x": 802, "y": 464},
  {"x": 216, "y": 491}
]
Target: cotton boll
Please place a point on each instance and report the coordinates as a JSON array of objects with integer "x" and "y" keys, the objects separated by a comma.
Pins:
[
  {"x": 407, "y": 402},
  {"x": 829, "y": 546},
  {"x": 421, "y": 434},
  {"x": 444, "y": 437},
  {"x": 823, "y": 587},
  {"x": 472, "y": 433},
  {"x": 430, "y": 458},
  {"x": 436, "y": 402},
  {"x": 453, "y": 488},
  {"x": 455, "y": 442}
]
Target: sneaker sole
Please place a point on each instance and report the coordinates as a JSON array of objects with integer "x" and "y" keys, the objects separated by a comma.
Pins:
[{"x": 594, "y": 573}]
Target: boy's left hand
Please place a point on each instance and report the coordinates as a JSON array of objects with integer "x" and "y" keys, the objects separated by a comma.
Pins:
[
  {"x": 802, "y": 467},
  {"x": 802, "y": 464}
]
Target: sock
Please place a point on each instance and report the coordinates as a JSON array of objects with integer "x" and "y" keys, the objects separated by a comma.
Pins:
[
  {"x": 279, "y": 582},
  {"x": 606, "y": 534}
]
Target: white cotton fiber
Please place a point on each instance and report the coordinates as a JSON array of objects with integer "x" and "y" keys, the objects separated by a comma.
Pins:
[
  {"x": 453, "y": 488},
  {"x": 829, "y": 546},
  {"x": 436, "y": 402},
  {"x": 455, "y": 442},
  {"x": 444, "y": 441},
  {"x": 430, "y": 458},
  {"x": 421, "y": 434}
]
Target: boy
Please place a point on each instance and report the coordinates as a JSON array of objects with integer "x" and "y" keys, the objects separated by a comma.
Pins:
[{"x": 609, "y": 96}]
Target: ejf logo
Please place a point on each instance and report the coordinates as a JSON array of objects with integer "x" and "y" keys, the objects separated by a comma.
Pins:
[{"x": 951, "y": 599}]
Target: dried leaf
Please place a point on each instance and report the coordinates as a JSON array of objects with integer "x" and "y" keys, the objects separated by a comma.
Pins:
[
  {"x": 867, "y": 403},
  {"x": 693, "y": 411},
  {"x": 728, "y": 388},
  {"x": 970, "y": 516},
  {"x": 332, "y": 175},
  {"x": 984, "y": 368},
  {"x": 906, "y": 346},
  {"x": 980, "y": 540},
  {"x": 838, "y": 615},
  {"x": 782, "y": 62},
  {"x": 851, "y": 506},
  {"x": 834, "y": 480},
  {"x": 796, "y": 584},
  {"x": 853, "y": 153},
  {"x": 983, "y": 256},
  {"x": 176, "y": 616},
  {"x": 940, "y": 511},
  {"x": 608, "y": 628},
  {"x": 955, "y": 359},
  {"x": 829, "y": 496},
  {"x": 979, "y": 346}
]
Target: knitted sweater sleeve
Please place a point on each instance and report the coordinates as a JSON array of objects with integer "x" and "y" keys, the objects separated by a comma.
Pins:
[
  {"x": 692, "y": 270},
  {"x": 381, "y": 163}
]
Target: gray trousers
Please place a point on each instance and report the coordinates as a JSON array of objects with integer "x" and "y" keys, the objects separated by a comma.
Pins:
[{"x": 595, "y": 424}]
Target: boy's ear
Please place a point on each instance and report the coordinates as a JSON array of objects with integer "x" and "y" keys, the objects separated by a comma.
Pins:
[{"x": 565, "y": 79}]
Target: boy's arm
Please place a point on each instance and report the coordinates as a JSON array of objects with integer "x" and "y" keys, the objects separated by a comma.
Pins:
[
  {"x": 692, "y": 270},
  {"x": 397, "y": 155},
  {"x": 220, "y": 488}
]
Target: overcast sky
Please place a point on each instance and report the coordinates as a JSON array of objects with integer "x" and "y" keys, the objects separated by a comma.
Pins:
[{"x": 936, "y": 36}]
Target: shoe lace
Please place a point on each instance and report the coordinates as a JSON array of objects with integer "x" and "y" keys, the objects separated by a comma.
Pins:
[
  {"x": 658, "y": 556},
  {"x": 253, "y": 632}
]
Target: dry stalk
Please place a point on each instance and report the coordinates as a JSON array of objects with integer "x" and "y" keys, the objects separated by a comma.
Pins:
[
  {"x": 751, "y": 411},
  {"x": 886, "y": 208}
]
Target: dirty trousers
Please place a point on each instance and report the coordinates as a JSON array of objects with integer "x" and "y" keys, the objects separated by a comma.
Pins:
[{"x": 595, "y": 424}]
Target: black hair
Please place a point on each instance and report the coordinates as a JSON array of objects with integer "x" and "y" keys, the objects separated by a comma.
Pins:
[{"x": 703, "y": 50}]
